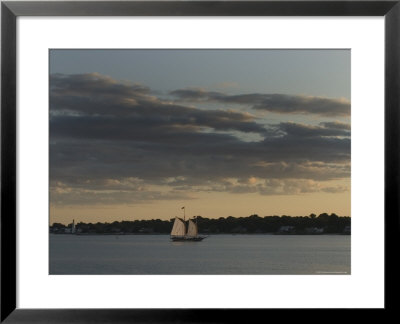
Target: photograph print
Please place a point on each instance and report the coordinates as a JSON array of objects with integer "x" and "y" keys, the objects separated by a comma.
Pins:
[{"x": 199, "y": 162}]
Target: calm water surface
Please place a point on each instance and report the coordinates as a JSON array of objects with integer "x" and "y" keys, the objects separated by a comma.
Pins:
[{"x": 217, "y": 254}]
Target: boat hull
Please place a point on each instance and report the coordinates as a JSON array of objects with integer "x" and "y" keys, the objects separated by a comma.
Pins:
[{"x": 187, "y": 239}]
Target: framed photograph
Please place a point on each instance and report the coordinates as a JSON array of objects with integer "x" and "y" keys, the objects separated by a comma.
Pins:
[{"x": 162, "y": 159}]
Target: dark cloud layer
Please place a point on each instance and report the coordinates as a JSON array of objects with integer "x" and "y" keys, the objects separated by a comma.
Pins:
[
  {"x": 92, "y": 95},
  {"x": 278, "y": 103},
  {"x": 114, "y": 141}
]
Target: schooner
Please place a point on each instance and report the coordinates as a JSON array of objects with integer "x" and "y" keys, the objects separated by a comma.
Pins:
[{"x": 179, "y": 232}]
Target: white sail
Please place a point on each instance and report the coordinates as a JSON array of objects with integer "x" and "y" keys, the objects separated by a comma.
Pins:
[
  {"x": 192, "y": 229},
  {"x": 179, "y": 228}
]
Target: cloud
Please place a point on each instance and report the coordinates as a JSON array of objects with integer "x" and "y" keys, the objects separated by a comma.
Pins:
[
  {"x": 87, "y": 197},
  {"x": 277, "y": 103},
  {"x": 327, "y": 130},
  {"x": 96, "y": 99},
  {"x": 268, "y": 187},
  {"x": 117, "y": 140},
  {"x": 93, "y": 84},
  {"x": 296, "y": 187},
  {"x": 336, "y": 125}
]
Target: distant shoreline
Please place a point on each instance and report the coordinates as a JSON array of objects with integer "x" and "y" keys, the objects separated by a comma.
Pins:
[
  {"x": 150, "y": 234},
  {"x": 254, "y": 224}
]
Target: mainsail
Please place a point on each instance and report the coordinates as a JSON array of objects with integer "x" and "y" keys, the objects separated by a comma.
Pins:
[
  {"x": 192, "y": 229},
  {"x": 179, "y": 228}
]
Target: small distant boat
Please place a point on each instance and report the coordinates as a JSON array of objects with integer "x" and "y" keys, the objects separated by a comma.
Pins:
[{"x": 179, "y": 232}]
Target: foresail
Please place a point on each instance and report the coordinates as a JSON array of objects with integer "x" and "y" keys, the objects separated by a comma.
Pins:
[
  {"x": 179, "y": 228},
  {"x": 192, "y": 229}
]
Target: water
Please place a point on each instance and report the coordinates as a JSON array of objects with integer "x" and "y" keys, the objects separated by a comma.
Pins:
[{"x": 217, "y": 254}]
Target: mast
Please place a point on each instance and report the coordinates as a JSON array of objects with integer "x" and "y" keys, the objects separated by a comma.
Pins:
[{"x": 183, "y": 213}]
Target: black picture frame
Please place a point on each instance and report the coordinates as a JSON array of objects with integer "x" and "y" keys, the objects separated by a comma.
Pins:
[{"x": 11, "y": 10}]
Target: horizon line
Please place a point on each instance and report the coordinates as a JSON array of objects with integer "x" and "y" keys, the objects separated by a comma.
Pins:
[{"x": 169, "y": 219}]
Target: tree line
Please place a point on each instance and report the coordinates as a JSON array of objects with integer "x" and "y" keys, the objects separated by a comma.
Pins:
[{"x": 254, "y": 224}]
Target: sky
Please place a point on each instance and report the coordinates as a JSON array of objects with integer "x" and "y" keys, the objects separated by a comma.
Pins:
[{"x": 138, "y": 134}]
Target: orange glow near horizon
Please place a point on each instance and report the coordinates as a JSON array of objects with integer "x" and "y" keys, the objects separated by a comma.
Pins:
[{"x": 210, "y": 205}]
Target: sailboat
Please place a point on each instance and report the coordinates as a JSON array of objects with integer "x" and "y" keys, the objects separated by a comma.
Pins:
[{"x": 179, "y": 232}]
